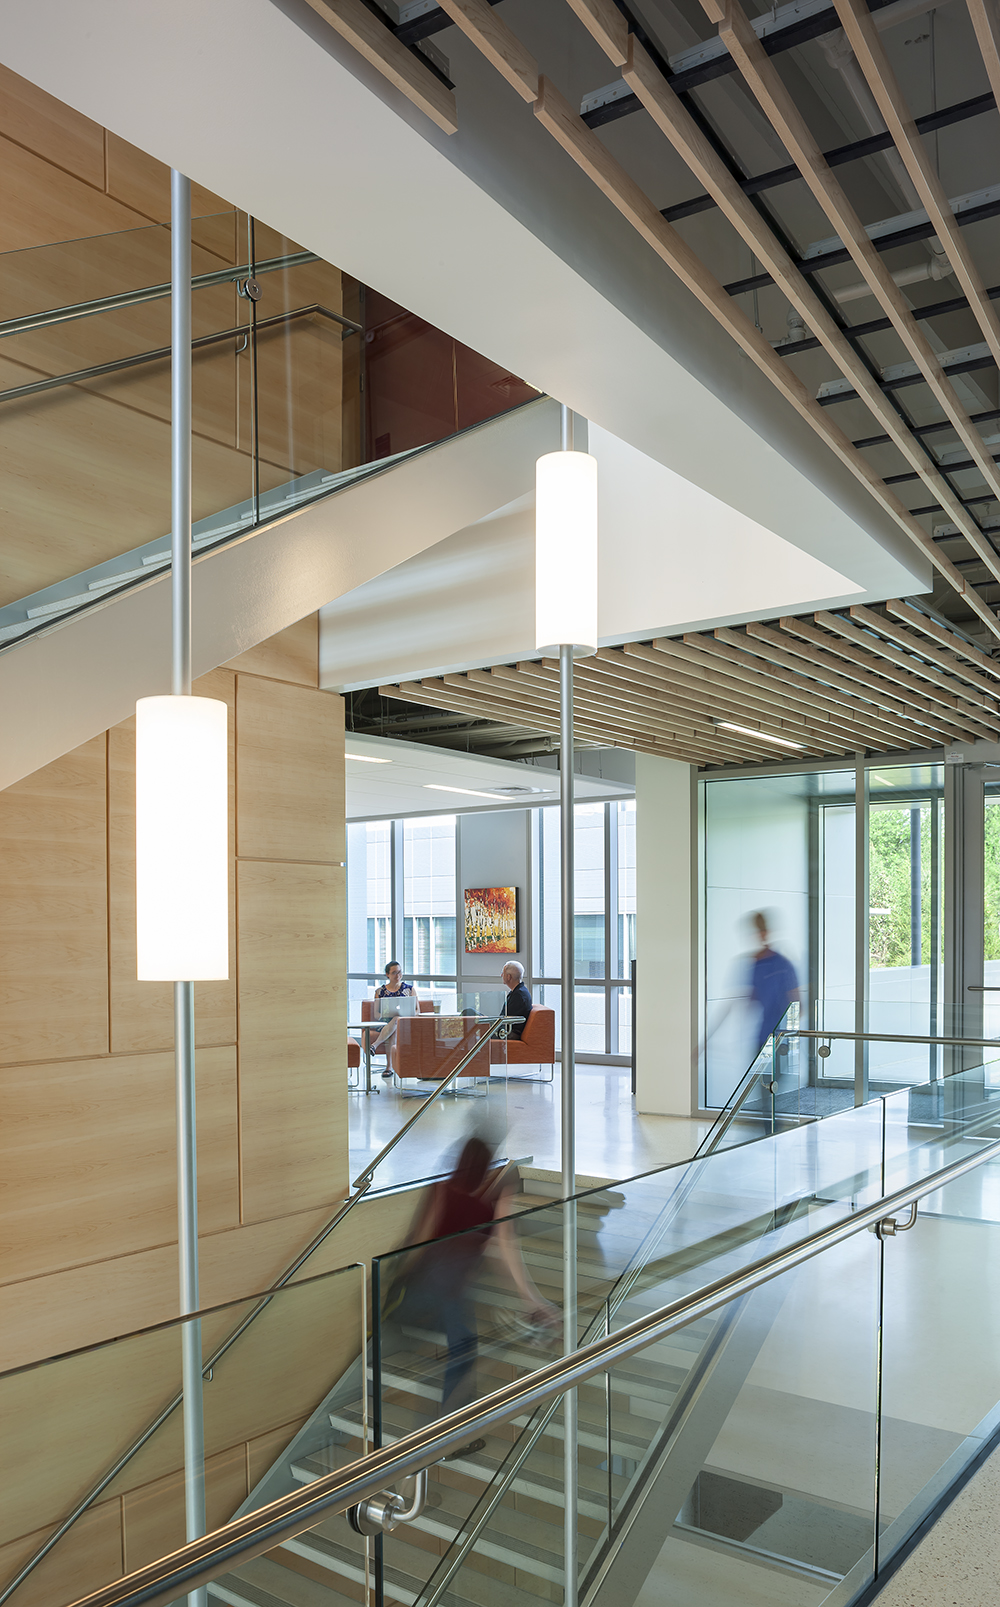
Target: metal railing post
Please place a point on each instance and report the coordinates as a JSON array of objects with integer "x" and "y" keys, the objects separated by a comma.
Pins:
[
  {"x": 567, "y": 824},
  {"x": 192, "y": 1383}
]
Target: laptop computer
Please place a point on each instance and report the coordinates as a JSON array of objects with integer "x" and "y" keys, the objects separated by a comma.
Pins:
[{"x": 390, "y": 1008}]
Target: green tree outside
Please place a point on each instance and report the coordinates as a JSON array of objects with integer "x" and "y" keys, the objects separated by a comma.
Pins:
[{"x": 889, "y": 885}]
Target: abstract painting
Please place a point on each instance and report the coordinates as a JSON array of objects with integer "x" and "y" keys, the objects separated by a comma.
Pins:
[{"x": 491, "y": 920}]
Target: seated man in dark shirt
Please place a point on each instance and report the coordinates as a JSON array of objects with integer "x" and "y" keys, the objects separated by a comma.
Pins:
[{"x": 518, "y": 998}]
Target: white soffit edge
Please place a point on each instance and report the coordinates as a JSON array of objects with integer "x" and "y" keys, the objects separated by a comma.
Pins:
[
  {"x": 493, "y": 234},
  {"x": 407, "y": 784},
  {"x": 672, "y": 558},
  {"x": 69, "y": 683}
]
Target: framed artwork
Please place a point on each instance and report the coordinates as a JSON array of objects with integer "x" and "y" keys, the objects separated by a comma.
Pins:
[{"x": 491, "y": 920}]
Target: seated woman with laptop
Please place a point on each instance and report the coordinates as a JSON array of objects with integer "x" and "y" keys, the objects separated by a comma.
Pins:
[{"x": 393, "y": 999}]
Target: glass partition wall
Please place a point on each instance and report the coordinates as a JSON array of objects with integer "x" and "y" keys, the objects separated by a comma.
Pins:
[
  {"x": 406, "y": 881},
  {"x": 782, "y": 849}
]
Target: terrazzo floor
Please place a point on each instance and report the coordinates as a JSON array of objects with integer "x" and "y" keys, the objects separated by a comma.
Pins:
[
  {"x": 958, "y": 1563},
  {"x": 523, "y": 1119}
]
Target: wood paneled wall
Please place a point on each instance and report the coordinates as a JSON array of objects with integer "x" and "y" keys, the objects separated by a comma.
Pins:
[
  {"x": 87, "y": 1143},
  {"x": 80, "y": 211}
]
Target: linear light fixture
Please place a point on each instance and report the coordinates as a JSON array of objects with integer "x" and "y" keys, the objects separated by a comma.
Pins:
[
  {"x": 764, "y": 736},
  {"x": 366, "y": 758},
  {"x": 469, "y": 792},
  {"x": 182, "y": 839},
  {"x": 566, "y": 552}
]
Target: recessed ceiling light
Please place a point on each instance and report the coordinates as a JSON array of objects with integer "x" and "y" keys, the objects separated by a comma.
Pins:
[
  {"x": 518, "y": 792},
  {"x": 762, "y": 736},
  {"x": 468, "y": 792},
  {"x": 366, "y": 758}
]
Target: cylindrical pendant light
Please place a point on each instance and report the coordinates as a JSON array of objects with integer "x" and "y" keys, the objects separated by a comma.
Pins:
[
  {"x": 566, "y": 552},
  {"x": 182, "y": 839}
]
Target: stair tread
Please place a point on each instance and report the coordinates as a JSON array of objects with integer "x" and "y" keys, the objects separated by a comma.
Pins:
[{"x": 264, "y": 1582}]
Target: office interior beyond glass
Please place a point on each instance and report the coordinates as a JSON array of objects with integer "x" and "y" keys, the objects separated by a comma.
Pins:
[{"x": 406, "y": 882}]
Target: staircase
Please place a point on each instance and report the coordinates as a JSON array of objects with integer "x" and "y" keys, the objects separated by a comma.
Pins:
[{"x": 491, "y": 1532}]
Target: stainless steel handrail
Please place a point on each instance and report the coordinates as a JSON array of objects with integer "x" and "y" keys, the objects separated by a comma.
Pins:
[
  {"x": 118, "y": 364},
  {"x": 197, "y": 1563},
  {"x": 885, "y": 1037},
  {"x": 135, "y": 298},
  {"x": 362, "y": 1183}
]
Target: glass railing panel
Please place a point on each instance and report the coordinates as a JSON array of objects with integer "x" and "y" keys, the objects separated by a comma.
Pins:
[
  {"x": 461, "y": 1317},
  {"x": 720, "y": 1455},
  {"x": 941, "y": 1366},
  {"x": 423, "y": 1051},
  {"x": 69, "y": 1421},
  {"x": 307, "y": 370},
  {"x": 71, "y": 442}
]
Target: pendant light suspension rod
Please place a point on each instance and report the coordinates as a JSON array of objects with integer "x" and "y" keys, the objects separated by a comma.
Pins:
[
  {"x": 568, "y": 892},
  {"x": 180, "y": 684}
]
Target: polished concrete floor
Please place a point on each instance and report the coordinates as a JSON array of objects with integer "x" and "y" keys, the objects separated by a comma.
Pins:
[{"x": 523, "y": 1119}]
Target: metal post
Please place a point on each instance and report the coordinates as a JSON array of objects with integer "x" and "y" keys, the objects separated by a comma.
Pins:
[
  {"x": 568, "y": 924},
  {"x": 180, "y": 684},
  {"x": 916, "y": 912},
  {"x": 860, "y": 927},
  {"x": 933, "y": 1024},
  {"x": 570, "y": 1559}
]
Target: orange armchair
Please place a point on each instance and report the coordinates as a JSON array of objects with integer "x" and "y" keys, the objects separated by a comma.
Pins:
[{"x": 535, "y": 1047}]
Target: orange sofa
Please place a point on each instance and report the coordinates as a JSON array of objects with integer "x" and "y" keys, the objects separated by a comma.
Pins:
[
  {"x": 536, "y": 1045},
  {"x": 428, "y": 1047}
]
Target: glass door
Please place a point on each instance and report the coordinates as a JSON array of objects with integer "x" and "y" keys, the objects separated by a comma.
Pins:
[{"x": 905, "y": 952}]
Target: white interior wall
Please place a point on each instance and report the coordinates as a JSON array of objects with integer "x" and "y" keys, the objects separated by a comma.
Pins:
[
  {"x": 493, "y": 852},
  {"x": 666, "y": 936}
]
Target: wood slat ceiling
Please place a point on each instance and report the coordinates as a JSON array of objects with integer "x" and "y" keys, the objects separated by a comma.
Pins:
[
  {"x": 911, "y": 438},
  {"x": 882, "y": 681}
]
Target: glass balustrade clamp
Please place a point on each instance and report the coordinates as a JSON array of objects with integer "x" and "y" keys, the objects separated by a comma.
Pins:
[{"x": 201, "y": 1561}]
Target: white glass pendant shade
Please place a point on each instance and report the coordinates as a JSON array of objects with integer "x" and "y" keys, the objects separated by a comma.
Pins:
[
  {"x": 182, "y": 839},
  {"x": 566, "y": 552}
]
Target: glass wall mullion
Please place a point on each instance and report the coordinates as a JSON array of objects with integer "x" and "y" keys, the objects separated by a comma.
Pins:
[{"x": 611, "y": 955}]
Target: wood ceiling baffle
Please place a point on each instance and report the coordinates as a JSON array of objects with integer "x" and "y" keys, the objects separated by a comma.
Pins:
[
  {"x": 909, "y": 717},
  {"x": 778, "y": 106},
  {"x": 874, "y": 62},
  {"x": 674, "y": 120},
  {"x": 829, "y": 685},
  {"x": 985, "y": 16},
  {"x": 593, "y": 157},
  {"x": 407, "y": 72}
]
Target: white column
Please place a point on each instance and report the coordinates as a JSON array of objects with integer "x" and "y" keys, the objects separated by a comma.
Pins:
[{"x": 666, "y": 971}]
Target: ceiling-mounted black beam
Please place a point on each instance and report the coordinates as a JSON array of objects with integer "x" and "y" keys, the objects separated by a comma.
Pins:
[
  {"x": 928, "y": 429},
  {"x": 798, "y": 32},
  {"x": 945, "y": 118},
  {"x": 966, "y": 365},
  {"x": 875, "y": 326},
  {"x": 885, "y": 242}
]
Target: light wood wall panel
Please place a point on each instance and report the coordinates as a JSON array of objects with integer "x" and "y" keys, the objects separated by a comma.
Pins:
[
  {"x": 292, "y": 655},
  {"x": 142, "y": 1013},
  {"x": 50, "y": 1314},
  {"x": 89, "y": 1557},
  {"x": 88, "y": 1158},
  {"x": 41, "y": 203},
  {"x": 53, "y": 130},
  {"x": 53, "y": 894},
  {"x": 143, "y": 183},
  {"x": 57, "y": 515},
  {"x": 154, "y": 1515},
  {"x": 293, "y": 1107},
  {"x": 289, "y": 756}
]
